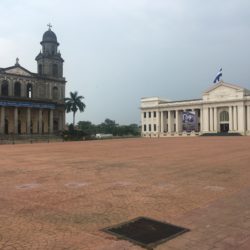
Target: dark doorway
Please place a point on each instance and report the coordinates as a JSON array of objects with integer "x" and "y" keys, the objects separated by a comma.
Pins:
[
  {"x": 19, "y": 127},
  {"x": 55, "y": 125},
  {"x": 6, "y": 127},
  {"x": 224, "y": 128}
]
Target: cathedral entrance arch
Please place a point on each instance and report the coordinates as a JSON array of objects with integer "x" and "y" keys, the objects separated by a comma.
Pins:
[{"x": 224, "y": 122}]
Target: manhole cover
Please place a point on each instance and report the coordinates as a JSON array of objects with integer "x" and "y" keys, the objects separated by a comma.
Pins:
[{"x": 146, "y": 232}]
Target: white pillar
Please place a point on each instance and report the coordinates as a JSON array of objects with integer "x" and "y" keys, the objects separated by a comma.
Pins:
[
  {"x": 28, "y": 121},
  {"x": 241, "y": 119},
  {"x": 235, "y": 118},
  {"x": 248, "y": 118},
  {"x": 51, "y": 121},
  {"x": 211, "y": 117},
  {"x": 169, "y": 122},
  {"x": 230, "y": 118},
  {"x": 177, "y": 121},
  {"x": 15, "y": 120},
  {"x": 205, "y": 119},
  {"x": 162, "y": 125},
  {"x": 215, "y": 120},
  {"x": 2, "y": 120},
  {"x": 201, "y": 119}
]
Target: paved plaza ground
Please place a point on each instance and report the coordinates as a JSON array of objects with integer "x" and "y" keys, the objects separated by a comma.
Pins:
[{"x": 57, "y": 196}]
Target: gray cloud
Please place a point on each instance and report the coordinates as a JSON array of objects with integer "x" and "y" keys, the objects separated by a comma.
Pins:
[{"x": 117, "y": 51}]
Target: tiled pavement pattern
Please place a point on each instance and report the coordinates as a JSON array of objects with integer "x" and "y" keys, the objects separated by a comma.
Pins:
[{"x": 57, "y": 196}]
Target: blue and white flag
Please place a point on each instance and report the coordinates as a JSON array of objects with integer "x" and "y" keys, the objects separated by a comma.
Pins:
[{"x": 218, "y": 76}]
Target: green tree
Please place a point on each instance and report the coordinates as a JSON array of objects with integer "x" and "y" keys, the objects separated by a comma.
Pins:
[{"x": 74, "y": 103}]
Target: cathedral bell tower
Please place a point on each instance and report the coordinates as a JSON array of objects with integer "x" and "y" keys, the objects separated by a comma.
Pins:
[{"x": 49, "y": 60}]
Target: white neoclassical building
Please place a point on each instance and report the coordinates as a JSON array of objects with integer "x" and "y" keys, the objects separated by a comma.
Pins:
[{"x": 223, "y": 108}]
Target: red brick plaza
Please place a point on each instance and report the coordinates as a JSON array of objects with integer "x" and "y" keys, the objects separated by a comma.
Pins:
[{"x": 57, "y": 196}]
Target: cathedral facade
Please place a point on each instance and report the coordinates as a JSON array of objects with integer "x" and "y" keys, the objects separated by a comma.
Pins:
[{"x": 33, "y": 103}]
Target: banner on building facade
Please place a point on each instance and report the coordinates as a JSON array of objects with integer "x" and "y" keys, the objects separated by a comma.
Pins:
[
  {"x": 27, "y": 104},
  {"x": 189, "y": 121}
]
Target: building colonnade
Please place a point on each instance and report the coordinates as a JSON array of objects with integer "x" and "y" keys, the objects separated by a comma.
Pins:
[
  {"x": 209, "y": 119},
  {"x": 18, "y": 120}
]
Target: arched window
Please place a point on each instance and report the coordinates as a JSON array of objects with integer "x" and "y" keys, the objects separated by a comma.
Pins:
[
  {"x": 224, "y": 116},
  {"x": 55, "y": 93},
  {"x": 29, "y": 91},
  {"x": 55, "y": 70},
  {"x": 5, "y": 88},
  {"x": 17, "y": 89},
  {"x": 40, "y": 69}
]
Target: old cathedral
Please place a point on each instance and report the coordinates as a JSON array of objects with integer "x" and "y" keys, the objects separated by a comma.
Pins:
[{"x": 33, "y": 103}]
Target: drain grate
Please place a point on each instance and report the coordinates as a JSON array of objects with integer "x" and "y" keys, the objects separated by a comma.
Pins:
[{"x": 146, "y": 232}]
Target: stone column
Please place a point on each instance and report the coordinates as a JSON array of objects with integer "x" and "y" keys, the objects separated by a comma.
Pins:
[
  {"x": 201, "y": 119},
  {"x": 248, "y": 118},
  {"x": 169, "y": 122},
  {"x": 230, "y": 118},
  {"x": 51, "y": 121},
  {"x": 28, "y": 121},
  {"x": 40, "y": 121},
  {"x": 177, "y": 121},
  {"x": 215, "y": 120},
  {"x": 235, "y": 118},
  {"x": 162, "y": 122},
  {"x": 23, "y": 89},
  {"x": 15, "y": 120},
  {"x": 241, "y": 119},
  {"x": 2, "y": 120},
  {"x": 211, "y": 116},
  {"x": 205, "y": 120}
]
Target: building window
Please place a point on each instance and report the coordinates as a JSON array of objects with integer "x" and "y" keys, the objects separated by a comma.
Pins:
[
  {"x": 55, "y": 93},
  {"x": 149, "y": 114},
  {"x": 154, "y": 127},
  {"x": 167, "y": 115},
  {"x": 224, "y": 116},
  {"x": 17, "y": 89},
  {"x": 154, "y": 114},
  {"x": 145, "y": 114},
  {"x": 175, "y": 127},
  {"x": 5, "y": 88},
  {"x": 55, "y": 70},
  {"x": 175, "y": 114},
  {"x": 29, "y": 91},
  {"x": 145, "y": 127},
  {"x": 40, "y": 69},
  {"x": 149, "y": 127}
]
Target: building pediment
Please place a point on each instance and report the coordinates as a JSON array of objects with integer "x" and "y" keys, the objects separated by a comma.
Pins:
[
  {"x": 223, "y": 91},
  {"x": 17, "y": 70}
]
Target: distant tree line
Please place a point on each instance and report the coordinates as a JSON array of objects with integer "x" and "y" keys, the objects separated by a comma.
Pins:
[
  {"x": 108, "y": 127},
  {"x": 87, "y": 130}
]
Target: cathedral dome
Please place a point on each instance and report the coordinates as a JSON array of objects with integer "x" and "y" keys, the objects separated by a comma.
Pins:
[{"x": 49, "y": 36}]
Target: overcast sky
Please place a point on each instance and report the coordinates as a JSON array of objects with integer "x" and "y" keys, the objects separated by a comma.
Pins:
[{"x": 117, "y": 51}]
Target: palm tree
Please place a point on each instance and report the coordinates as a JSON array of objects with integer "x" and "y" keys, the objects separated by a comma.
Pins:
[{"x": 73, "y": 103}]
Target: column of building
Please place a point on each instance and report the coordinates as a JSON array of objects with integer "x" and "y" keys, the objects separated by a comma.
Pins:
[
  {"x": 230, "y": 110},
  {"x": 51, "y": 121},
  {"x": 2, "y": 128},
  {"x": 241, "y": 119},
  {"x": 169, "y": 121},
  {"x": 248, "y": 119},
  {"x": 235, "y": 118}
]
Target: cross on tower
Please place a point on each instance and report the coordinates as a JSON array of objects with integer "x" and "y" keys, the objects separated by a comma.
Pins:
[
  {"x": 17, "y": 61},
  {"x": 50, "y": 26}
]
